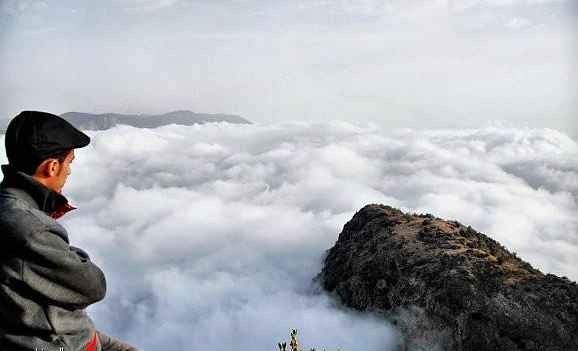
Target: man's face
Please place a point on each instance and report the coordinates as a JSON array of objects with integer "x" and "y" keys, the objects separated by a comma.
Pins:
[{"x": 63, "y": 172}]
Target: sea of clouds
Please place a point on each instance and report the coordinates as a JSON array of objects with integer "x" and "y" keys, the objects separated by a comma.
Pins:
[{"x": 209, "y": 235}]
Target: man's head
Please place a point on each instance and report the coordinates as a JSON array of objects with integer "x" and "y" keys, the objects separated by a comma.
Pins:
[
  {"x": 42, "y": 145},
  {"x": 54, "y": 171}
]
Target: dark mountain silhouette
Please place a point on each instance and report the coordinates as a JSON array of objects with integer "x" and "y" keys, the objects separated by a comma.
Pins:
[
  {"x": 89, "y": 121},
  {"x": 446, "y": 286}
]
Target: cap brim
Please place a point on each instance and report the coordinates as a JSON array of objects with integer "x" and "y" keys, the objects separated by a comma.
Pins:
[
  {"x": 79, "y": 139},
  {"x": 74, "y": 137}
]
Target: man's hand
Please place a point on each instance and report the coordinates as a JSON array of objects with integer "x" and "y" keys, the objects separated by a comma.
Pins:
[{"x": 80, "y": 252}]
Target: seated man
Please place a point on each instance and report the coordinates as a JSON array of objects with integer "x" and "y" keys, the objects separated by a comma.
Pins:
[{"x": 45, "y": 284}]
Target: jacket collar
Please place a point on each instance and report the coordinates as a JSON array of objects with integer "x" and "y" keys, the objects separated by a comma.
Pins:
[{"x": 52, "y": 203}]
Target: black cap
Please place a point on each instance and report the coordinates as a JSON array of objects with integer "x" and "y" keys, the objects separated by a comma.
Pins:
[{"x": 34, "y": 136}]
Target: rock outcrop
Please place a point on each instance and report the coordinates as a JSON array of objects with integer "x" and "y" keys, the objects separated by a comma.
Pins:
[
  {"x": 89, "y": 121},
  {"x": 447, "y": 286}
]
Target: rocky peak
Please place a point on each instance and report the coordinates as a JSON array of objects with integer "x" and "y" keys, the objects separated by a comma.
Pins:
[{"x": 448, "y": 286}]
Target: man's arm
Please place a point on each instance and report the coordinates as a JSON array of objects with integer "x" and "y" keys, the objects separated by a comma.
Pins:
[{"x": 61, "y": 273}]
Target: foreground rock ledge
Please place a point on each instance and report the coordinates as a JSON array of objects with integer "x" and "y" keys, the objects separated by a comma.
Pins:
[{"x": 447, "y": 286}]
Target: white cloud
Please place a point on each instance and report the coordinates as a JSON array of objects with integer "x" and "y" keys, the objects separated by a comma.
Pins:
[
  {"x": 210, "y": 235},
  {"x": 17, "y": 7},
  {"x": 149, "y": 5}
]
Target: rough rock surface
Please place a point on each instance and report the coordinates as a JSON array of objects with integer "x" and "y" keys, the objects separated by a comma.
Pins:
[{"x": 447, "y": 286}]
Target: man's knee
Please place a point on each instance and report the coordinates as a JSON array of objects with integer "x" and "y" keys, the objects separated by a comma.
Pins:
[{"x": 109, "y": 343}]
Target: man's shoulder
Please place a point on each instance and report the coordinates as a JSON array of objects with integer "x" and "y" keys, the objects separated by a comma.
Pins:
[{"x": 18, "y": 218}]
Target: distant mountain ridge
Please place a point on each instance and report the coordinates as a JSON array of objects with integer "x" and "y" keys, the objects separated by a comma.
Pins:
[{"x": 91, "y": 121}]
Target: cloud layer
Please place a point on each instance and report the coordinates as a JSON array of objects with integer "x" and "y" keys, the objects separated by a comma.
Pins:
[{"x": 210, "y": 234}]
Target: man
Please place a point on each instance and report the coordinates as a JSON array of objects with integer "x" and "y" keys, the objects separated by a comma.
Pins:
[{"x": 45, "y": 284}]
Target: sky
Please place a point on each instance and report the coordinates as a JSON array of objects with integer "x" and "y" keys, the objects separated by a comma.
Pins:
[
  {"x": 398, "y": 63},
  {"x": 210, "y": 235}
]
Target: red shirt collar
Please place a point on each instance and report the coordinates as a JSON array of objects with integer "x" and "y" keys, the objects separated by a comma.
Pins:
[{"x": 62, "y": 210}]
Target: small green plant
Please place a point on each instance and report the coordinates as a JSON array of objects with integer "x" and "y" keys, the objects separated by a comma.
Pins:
[{"x": 293, "y": 344}]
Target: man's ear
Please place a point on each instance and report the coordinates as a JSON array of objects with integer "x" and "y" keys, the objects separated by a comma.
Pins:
[
  {"x": 53, "y": 167},
  {"x": 48, "y": 168}
]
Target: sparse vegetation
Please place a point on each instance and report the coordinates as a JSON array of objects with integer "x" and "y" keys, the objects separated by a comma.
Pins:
[{"x": 294, "y": 344}]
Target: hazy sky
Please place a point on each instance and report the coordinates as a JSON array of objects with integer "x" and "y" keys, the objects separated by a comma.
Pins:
[
  {"x": 210, "y": 235},
  {"x": 409, "y": 63}
]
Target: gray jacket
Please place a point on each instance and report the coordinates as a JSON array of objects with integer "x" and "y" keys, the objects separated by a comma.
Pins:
[{"x": 45, "y": 284}]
